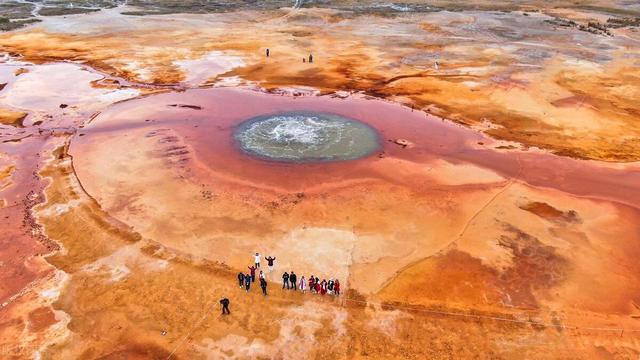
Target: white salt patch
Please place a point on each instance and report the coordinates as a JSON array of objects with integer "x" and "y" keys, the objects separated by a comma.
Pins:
[
  {"x": 486, "y": 125},
  {"x": 118, "y": 95},
  {"x": 296, "y": 91},
  {"x": 47, "y": 86},
  {"x": 50, "y": 294},
  {"x": 60, "y": 279},
  {"x": 477, "y": 71},
  {"x": 386, "y": 321},
  {"x": 119, "y": 272},
  {"x": 339, "y": 323},
  {"x": 232, "y": 81},
  {"x": 583, "y": 65},
  {"x": 471, "y": 84},
  {"x": 123, "y": 262},
  {"x": 331, "y": 249},
  {"x": 58, "y": 331},
  {"x": 60, "y": 209},
  {"x": 200, "y": 70},
  {"x": 295, "y": 340},
  {"x": 141, "y": 73},
  {"x": 447, "y": 173}
]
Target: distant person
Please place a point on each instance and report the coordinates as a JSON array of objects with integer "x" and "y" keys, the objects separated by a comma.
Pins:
[
  {"x": 267, "y": 52},
  {"x": 303, "y": 284},
  {"x": 323, "y": 287},
  {"x": 270, "y": 261},
  {"x": 436, "y": 65},
  {"x": 293, "y": 280},
  {"x": 310, "y": 58},
  {"x": 336, "y": 287},
  {"x": 261, "y": 276},
  {"x": 330, "y": 286},
  {"x": 253, "y": 272},
  {"x": 285, "y": 280},
  {"x": 247, "y": 282},
  {"x": 241, "y": 279},
  {"x": 257, "y": 260},
  {"x": 263, "y": 285},
  {"x": 304, "y": 60},
  {"x": 318, "y": 286},
  {"x": 312, "y": 284},
  {"x": 225, "y": 306}
]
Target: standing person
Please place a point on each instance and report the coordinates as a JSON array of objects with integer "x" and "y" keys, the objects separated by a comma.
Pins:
[
  {"x": 267, "y": 52},
  {"x": 256, "y": 259},
  {"x": 310, "y": 58},
  {"x": 225, "y": 306},
  {"x": 318, "y": 287},
  {"x": 270, "y": 261},
  {"x": 323, "y": 287},
  {"x": 285, "y": 280},
  {"x": 336, "y": 287},
  {"x": 247, "y": 282},
  {"x": 261, "y": 276},
  {"x": 293, "y": 280},
  {"x": 311, "y": 284},
  {"x": 303, "y": 284},
  {"x": 241, "y": 279},
  {"x": 330, "y": 286},
  {"x": 263, "y": 285},
  {"x": 253, "y": 273}
]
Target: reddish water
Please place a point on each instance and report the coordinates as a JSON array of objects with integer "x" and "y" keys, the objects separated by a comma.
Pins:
[
  {"x": 18, "y": 227},
  {"x": 209, "y": 132}
]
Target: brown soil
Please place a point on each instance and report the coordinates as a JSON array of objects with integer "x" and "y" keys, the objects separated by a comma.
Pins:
[
  {"x": 126, "y": 221},
  {"x": 12, "y": 118},
  {"x": 471, "y": 86},
  {"x": 547, "y": 211}
]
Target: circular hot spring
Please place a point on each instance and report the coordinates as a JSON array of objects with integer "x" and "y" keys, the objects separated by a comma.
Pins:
[{"x": 306, "y": 137}]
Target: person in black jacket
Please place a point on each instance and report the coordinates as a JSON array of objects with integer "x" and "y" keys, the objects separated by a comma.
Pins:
[
  {"x": 225, "y": 306},
  {"x": 293, "y": 280},
  {"x": 241, "y": 279},
  {"x": 247, "y": 282},
  {"x": 285, "y": 280},
  {"x": 270, "y": 261},
  {"x": 263, "y": 285}
]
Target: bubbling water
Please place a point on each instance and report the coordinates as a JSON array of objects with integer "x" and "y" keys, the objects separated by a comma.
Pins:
[{"x": 306, "y": 137}]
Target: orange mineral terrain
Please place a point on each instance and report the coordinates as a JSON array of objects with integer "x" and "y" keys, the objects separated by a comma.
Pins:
[{"x": 469, "y": 171}]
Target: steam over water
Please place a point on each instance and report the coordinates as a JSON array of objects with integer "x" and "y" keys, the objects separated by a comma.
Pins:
[{"x": 306, "y": 137}]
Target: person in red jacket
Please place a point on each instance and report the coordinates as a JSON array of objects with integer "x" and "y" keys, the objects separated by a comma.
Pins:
[
  {"x": 312, "y": 284},
  {"x": 317, "y": 287},
  {"x": 336, "y": 287},
  {"x": 323, "y": 287},
  {"x": 253, "y": 273}
]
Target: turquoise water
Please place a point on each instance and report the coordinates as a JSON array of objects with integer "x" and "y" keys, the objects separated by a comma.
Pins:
[{"x": 306, "y": 137}]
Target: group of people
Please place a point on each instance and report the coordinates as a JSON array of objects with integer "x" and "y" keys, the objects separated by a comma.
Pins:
[
  {"x": 290, "y": 281},
  {"x": 245, "y": 280},
  {"x": 268, "y": 52}
]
